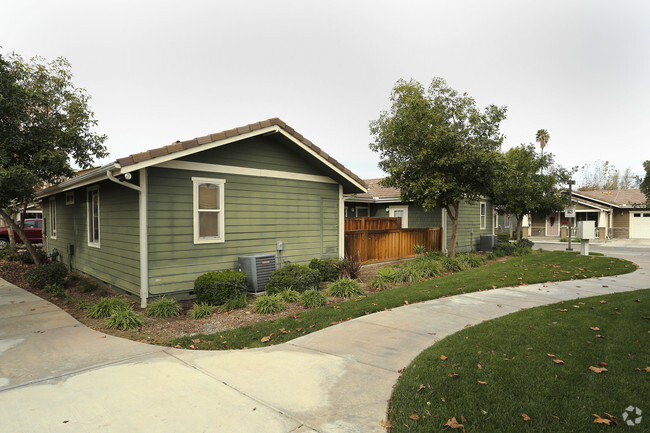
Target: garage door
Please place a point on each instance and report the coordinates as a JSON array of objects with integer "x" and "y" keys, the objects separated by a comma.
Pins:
[{"x": 640, "y": 225}]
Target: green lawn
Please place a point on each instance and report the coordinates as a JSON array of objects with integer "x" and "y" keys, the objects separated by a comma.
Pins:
[
  {"x": 534, "y": 268},
  {"x": 505, "y": 370}
]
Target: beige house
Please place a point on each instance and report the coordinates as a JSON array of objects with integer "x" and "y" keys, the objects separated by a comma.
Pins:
[{"x": 619, "y": 213}]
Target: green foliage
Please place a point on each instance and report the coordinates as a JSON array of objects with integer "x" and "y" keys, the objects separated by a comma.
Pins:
[
  {"x": 437, "y": 147},
  {"x": 350, "y": 267},
  {"x": 524, "y": 243},
  {"x": 26, "y": 258},
  {"x": 644, "y": 184},
  {"x": 106, "y": 307},
  {"x": 124, "y": 319},
  {"x": 83, "y": 305},
  {"x": 471, "y": 260},
  {"x": 503, "y": 237},
  {"x": 164, "y": 307},
  {"x": 89, "y": 286},
  {"x": 9, "y": 255},
  {"x": 522, "y": 251},
  {"x": 419, "y": 249},
  {"x": 490, "y": 256},
  {"x": 236, "y": 303},
  {"x": 327, "y": 268},
  {"x": 268, "y": 304},
  {"x": 408, "y": 273},
  {"x": 451, "y": 264},
  {"x": 312, "y": 298},
  {"x": 201, "y": 310},
  {"x": 380, "y": 284},
  {"x": 54, "y": 289},
  {"x": 345, "y": 288},
  {"x": 49, "y": 273},
  {"x": 215, "y": 288},
  {"x": 387, "y": 274},
  {"x": 293, "y": 276},
  {"x": 289, "y": 295},
  {"x": 502, "y": 249}
]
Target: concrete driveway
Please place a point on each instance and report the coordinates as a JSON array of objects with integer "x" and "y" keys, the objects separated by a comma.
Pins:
[{"x": 56, "y": 375}]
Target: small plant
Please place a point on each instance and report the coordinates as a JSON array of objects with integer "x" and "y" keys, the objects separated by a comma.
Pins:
[
  {"x": 83, "y": 305},
  {"x": 451, "y": 264},
  {"x": 26, "y": 258},
  {"x": 106, "y": 307},
  {"x": 89, "y": 286},
  {"x": 503, "y": 237},
  {"x": 289, "y": 296},
  {"x": 380, "y": 284},
  {"x": 201, "y": 310},
  {"x": 236, "y": 303},
  {"x": 293, "y": 276},
  {"x": 327, "y": 268},
  {"x": 504, "y": 249},
  {"x": 524, "y": 243},
  {"x": 419, "y": 249},
  {"x": 49, "y": 273},
  {"x": 350, "y": 267},
  {"x": 523, "y": 251},
  {"x": 472, "y": 260},
  {"x": 312, "y": 298},
  {"x": 215, "y": 288},
  {"x": 408, "y": 273},
  {"x": 73, "y": 278},
  {"x": 164, "y": 307},
  {"x": 345, "y": 288},
  {"x": 490, "y": 256},
  {"x": 54, "y": 289},
  {"x": 268, "y": 304},
  {"x": 387, "y": 274},
  {"x": 124, "y": 319}
]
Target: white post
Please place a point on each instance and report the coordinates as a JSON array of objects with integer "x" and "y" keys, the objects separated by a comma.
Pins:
[{"x": 144, "y": 242}]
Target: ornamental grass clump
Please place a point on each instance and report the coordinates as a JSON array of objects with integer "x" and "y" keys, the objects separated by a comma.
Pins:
[
  {"x": 289, "y": 296},
  {"x": 236, "y": 303},
  {"x": 312, "y": 298},
  {"x": 345, "y": 288},
  {"x": 164, "y": 307},
  {"x": 269, "y": 304},
  {"x": 124, "y": 319},
  {"x": 201, "y": 310},
  {"x": 106, "y": 307}
]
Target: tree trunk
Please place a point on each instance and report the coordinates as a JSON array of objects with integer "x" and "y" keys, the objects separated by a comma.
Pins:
[
  {"x": 454, "y": 226},
  {"x": 12, "y": 238},
  {"x": 520, "y": 220},
  {"x": 23, "y": 236},
  {"x": 510, "y": 219}
]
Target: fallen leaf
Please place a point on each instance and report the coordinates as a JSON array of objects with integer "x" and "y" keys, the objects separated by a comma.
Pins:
[
  {"x": 453, "y": 375},
  {"x": 558, "y": 361},
  {"x": 594, "y": 328},
  {"x": 479, "y": 365},
  {"x": 612, "y": 418},
  {"x": 284, "y": 331},
  {"x": 647, "y": 369},
  {"x": 443, "y": 357},
  {"x": 603, "y": 364},
  {"x": 462, "y": 418},
  {"x": 452, "y": 423},
  {"x": 265, "y": 339},
  {"x": 562, "y": 310},
  {"x": 406, "y": 302},
  {"x": 597, "y": 370},
  {"x": 386, "y": 423},
  {"x": 421, "y": 387},
  {"x": 603, "y": 302},
  {"x": 599, "y": 336},
  {"x": 525, "y": 417},
  {"x": 414, "y": 417},
  {"x": 481, "y": 382},
  {"x": 550, "y": 355},
  {"x": 600, "y": 420}
]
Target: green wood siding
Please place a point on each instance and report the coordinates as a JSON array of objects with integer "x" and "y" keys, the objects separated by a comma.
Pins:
[
  {"x": 258, "y": 212},
  {"x": 470, "y": 218},
  {"x": 117, "y": 260}
]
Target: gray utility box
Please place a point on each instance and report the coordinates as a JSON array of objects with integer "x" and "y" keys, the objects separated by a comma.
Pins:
[
  {"x": 488, "y": 242},
  {"x": 259, "y": 268}
]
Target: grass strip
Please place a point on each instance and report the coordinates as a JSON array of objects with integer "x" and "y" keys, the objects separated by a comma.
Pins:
[
  {"x": 529, "y": 269},
  {"x": 534, "y": 364}
]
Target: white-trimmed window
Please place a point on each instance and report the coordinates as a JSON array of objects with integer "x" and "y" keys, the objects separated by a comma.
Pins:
[
  {"x": 363, "y": 211},
  {"x": 208, "y": 210},
  {"x": 92, "y": 211},
  {"x": 400, "y": 212},
  {"x": 69, "y": 197},
  {"x": 52, "y": 220},
  {"x": 483, "y": 215},
  {"x": 506, "y": 222}
]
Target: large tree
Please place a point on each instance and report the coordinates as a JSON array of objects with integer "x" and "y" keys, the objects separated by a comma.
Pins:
[
  {"x": 528, "y": 183},
  {"x": 437, "y": 147},
  {"x": 542, "y": 138},
  {"x": 644, "y": 183},
  {"x": 45, "y": 124}
]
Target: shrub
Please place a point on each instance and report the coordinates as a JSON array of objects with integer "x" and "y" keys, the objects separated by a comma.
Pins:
[
  {"x": 471, "y": 260},
  {"x": 524, "y": 243},
  {"x": 89, "y": 286},
  {"x": 349, "y": 267},
  {"x": 54, "y": 289},
  {"x": 504, "y": 249},
  {"x": 293, "y": 276},
  {"x": 26, "y": 258},
  {"x": 388, "y": 274},
  {"x": 124, "y": 319},
  {"x": 490, "y": 256},
  {"x": 345, "y": 288},
  {"x": 327, "y": 268},
  {"x": 419, "y": 249},
  {"x": 451, "y": 264},
  {"x": 523, "y": 251},
  {"x": 9, "y": 255},
  {"x": 164, "y": 307},
  {"x": 289, "y": 295},
  {"x": 379, "y": 283},
  {"x": 312, "y": 298},
  {"x": 236, "y": 303},
  {"x": 215, "y": 288},
  {"x": 83, "y": 305},
  {"x": 49, "y": 273},
  {"x": 408, "y": 273},
  {"x": 429, "y": 266},
  {"x": 268, "y": 304},
  {"x": 503, "y": 237},
  {"x": 106, "y": 307},
  {"x": 201, "y": 310}
]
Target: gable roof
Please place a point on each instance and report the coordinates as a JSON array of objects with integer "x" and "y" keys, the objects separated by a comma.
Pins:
[
  {"x": 376, "y": 192},
  {"x": 617, "y": 197},
  {"x": 179, "y": 149}
]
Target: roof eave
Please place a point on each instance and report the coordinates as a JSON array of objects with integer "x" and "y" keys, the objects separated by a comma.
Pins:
[{"x": 85, "y": 179}]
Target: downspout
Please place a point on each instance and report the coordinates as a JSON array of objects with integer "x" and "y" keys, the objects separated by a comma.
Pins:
[
  {"x": 144, "y": 250},
  {"x": 341, "y": 224}
]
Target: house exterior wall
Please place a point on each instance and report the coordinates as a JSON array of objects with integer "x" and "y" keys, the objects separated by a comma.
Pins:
[
  {"x": 117, "y": 259},
  {"x": 417, "y": 217},
  {"x": 468, "y": 220},
  {"x": 258, "y": 212},
  {"x": 620, "y": 224}
]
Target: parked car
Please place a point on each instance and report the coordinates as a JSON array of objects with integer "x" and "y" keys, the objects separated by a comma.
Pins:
[{"x": 33, "y": 230}]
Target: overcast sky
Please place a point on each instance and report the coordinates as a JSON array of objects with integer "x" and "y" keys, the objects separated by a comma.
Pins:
[{"x": 163, "y": 70}]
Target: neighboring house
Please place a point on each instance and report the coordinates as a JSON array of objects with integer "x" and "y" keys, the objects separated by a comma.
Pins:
[
  {"x": 508, "y": 224},
  {"x": 617, "y": 214},
  {"x": 152, "y": 222},
  {"x": 475, "y": 219}
]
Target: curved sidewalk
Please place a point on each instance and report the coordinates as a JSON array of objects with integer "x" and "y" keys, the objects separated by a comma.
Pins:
[{"x": 58, "y": 375}]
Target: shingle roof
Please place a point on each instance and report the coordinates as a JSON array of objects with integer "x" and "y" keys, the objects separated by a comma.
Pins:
[
  {"x": 179, "y": 146},
  {"x": 617, "y": 197},
  {"x": 375, "y": 191}
]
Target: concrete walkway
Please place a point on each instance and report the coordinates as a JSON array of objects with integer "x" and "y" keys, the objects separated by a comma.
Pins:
[{"x": 57, "y": 375}]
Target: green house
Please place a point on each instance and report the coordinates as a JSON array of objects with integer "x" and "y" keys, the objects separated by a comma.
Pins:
[{"x": 152, "y": 222}]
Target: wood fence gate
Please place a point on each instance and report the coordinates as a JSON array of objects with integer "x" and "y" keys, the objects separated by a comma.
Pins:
[{"x": 389, "y": 244}]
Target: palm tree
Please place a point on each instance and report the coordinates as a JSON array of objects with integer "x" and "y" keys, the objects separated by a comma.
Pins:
[{"x": 542, "y": 138}]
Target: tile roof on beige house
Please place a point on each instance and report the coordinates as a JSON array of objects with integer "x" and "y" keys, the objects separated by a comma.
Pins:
[
  {"x": 616, "y": 197},
  {"x": 377, "y": 192}
]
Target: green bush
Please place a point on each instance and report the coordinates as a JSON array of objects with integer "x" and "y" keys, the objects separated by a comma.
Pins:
[
  {"x": 9, "y": 255},
  {"x": 26, "y": 258},
  {"x": 83, "y": 305},
  {"x": 388, "y": 274},
  {"x": 378, "y": 283},
  {"x": 268, "y": 304},
  {"x": 49, "y": 273},
  {"x": 524, "y": 243},
  {"x": 522, "y": 251},
  {"x": 289, "y": 295},
  {"x": 201, "y": 310},
  {"x": 471, "y": 260},
  {"x": 164, "y": 307},
  {"x": 106, "y": 307},
  {"x": 236, "y": 303},
  {"x": 419, "y": 249},
  {"x": 408, "y": 273},
  {"x": 54, "y": 289},
  {"x": 345, "y": 288},
  {"x": 504, "y": 249},
  {"x": 490, "y": 256},
  {"x": 89, "y": 286},
  {"x": 293, "y": 276},
  {"x": 451, "y": 264},
  {"x": 312, "y": 298},
  {"x": 215, "y": 288},
  {"x": 429, "y": 266},
  {"x": 503, "y": 237},
  {"x": 327, "y": 268},
  {"x": 124, "y": 319}
]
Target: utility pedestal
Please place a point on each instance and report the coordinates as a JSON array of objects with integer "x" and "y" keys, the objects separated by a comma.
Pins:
[{"x": 586, "y": 230}]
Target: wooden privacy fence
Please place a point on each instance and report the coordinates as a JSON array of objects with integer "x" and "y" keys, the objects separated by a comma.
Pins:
[
  {"x": 383, "y": 245},
  {"x": 372, "y": 223}
]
